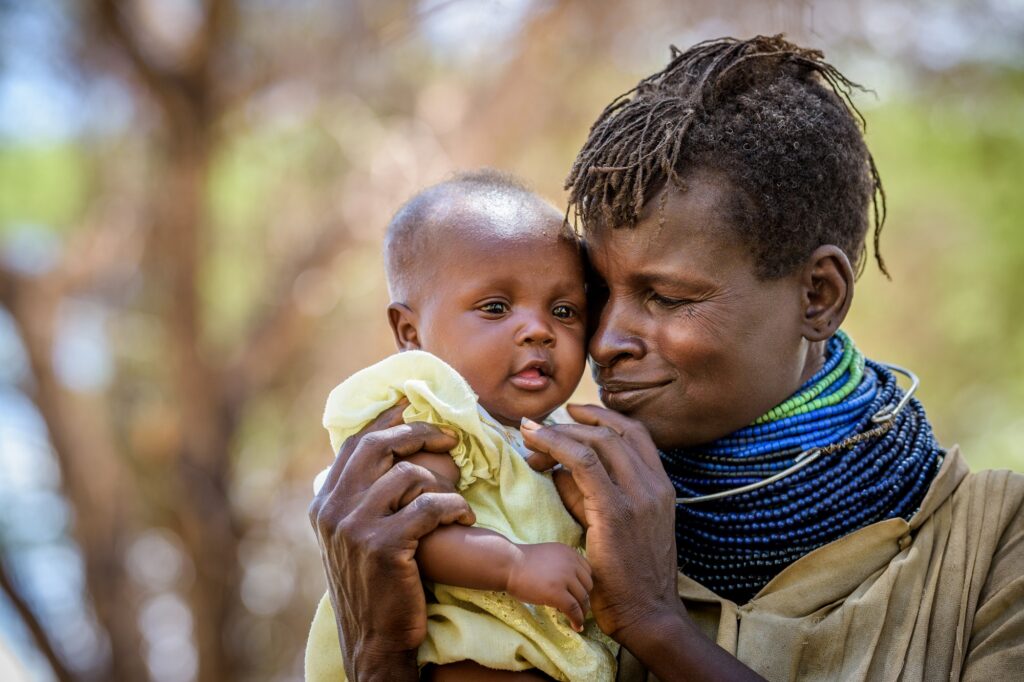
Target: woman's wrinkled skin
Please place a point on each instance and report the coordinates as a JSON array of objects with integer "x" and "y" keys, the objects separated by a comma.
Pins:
[
  {"x": 368, "y": 517},
  {"x": 690, "y": 341},
  {"x": 690, "y": 345}
]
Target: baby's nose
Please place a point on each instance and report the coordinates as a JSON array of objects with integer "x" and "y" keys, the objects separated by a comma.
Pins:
[{"x": 535, "y": 331}]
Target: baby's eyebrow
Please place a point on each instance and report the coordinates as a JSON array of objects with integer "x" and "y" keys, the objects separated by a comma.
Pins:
[{"x": 570, "y": 287}]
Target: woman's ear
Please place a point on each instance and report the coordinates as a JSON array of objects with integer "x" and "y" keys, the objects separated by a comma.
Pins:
[
  {"x": 827, "y": 282},
  {"x": 403, "y": 321}
]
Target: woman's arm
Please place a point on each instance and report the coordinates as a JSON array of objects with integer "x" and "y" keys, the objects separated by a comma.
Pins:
[{"x": 628, "y": 509}]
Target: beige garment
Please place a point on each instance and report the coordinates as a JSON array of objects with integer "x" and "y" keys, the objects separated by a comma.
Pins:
[{"x": 940, "y": 597}]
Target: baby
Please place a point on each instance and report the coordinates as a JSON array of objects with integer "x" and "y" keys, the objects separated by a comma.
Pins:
[{"x": 488, "y": 309}]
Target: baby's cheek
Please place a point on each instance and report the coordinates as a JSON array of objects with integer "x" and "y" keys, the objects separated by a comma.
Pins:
[{"x": 572, "y": 363}]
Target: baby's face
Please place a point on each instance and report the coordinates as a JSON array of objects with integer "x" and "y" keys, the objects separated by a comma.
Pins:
[{"x": 508, "y": 314}]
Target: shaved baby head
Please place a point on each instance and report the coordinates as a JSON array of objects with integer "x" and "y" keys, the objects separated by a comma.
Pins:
[
  {"x": 477, "y": 205},
  {"x": 487, "y": 276}
]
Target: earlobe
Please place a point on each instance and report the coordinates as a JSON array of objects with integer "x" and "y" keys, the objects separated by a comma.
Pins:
[
  {"x": 403, "y": 321},
  {"x": 828, "y": 292}
]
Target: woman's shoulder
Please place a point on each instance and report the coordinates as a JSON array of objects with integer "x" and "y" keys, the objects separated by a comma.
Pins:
[
  {"x": 992, "y": 501},
  {"x": 993, "y": 496},
  {"x": 986, "y": 528},
  {"x": 988, "y": 515}
]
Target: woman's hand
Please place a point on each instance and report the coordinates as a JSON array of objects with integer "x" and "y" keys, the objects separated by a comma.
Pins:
[
  {"x": 369, "y": 517},
  {"x": 615, "y": 485}
]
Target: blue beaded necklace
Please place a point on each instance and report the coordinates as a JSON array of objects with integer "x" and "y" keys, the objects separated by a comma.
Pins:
[{"x": 848, "y": 449}]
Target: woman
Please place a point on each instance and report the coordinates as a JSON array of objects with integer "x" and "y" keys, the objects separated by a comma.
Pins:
[{"x": 808, "y": 526}]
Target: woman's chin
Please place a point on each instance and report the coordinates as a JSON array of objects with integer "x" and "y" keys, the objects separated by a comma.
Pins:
[{"x": 680, "y": 432}]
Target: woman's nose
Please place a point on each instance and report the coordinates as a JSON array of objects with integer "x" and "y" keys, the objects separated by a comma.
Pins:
[
  {"x": 535, "y": 330},
  {"x": 615, "y": 337}
]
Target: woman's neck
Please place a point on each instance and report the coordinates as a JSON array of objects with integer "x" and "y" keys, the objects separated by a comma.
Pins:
[{"x": 814, "y": 359}]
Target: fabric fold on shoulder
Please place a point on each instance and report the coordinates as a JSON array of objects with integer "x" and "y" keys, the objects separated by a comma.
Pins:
[{"x": 437, "y": 394}]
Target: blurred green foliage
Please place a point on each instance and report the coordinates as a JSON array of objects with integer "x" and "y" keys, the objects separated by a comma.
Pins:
[
  {"x": 953, "y": 243},
  {"x": 177, "y": 474},
  {"x": 44, "y": 186},
  {"x": 954, "y": 246}
]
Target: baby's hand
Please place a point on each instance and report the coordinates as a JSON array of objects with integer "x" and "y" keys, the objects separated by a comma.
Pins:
[{"x": 555, "y": 575}]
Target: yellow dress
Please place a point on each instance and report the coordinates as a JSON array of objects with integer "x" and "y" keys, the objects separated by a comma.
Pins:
[{"x": 507, "y": 496}]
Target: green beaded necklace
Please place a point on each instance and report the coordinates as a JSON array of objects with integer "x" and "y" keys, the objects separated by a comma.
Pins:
[{"x": 808, "y": 400}]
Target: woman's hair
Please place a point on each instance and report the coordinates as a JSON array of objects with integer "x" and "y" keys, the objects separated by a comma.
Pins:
[{"x": 775, "y": 120}]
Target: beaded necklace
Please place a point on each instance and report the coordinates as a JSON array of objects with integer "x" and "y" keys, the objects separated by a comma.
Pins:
[{"x": 845, "y": 451}]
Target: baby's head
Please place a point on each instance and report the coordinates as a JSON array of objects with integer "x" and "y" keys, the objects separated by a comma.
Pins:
[{"x": 487, "y": 276}]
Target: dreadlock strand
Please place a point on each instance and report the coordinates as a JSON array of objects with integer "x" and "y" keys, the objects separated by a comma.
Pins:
[
  {"x": 713, "y": 105},
  {"x": 624, "y": 134},
  {"x": 713, "y": 72},
  {"x": 880, "y": 212},
  {"x": 649, "y": 158}
]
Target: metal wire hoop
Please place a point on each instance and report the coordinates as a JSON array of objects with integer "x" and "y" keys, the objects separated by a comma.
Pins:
[{"x": 884, "y": 418}]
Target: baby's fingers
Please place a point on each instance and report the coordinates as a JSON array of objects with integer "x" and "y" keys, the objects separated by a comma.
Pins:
[
  {"x": 585, "y": 577},
  {"x": 581, "y": 595},
  {"x": 568, "y": 604}
]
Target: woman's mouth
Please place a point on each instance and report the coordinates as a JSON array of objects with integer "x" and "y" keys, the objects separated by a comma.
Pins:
[{"x": 627, "y": 396}]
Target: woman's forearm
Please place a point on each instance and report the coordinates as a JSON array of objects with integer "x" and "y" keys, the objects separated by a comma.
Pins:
[
  {"x": 367, "y": 664},
  {"x": 476, "y": 558},
  {"x": 672, "y": 647}
]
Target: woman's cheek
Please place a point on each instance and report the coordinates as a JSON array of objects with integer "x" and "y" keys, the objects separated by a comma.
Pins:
[{"x": 689, "y": 348}]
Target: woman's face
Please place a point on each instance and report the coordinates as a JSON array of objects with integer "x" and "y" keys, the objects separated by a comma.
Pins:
[{"x": 689, "y": 341}]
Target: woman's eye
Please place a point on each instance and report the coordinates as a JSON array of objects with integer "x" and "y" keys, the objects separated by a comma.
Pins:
[
  {"x": 494, "y": 308},
  {"x": 666, "y": 302},
  {"x": 563, "y": 312}
]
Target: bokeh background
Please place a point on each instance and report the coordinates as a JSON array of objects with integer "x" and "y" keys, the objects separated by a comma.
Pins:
[{"x": 192, "y": 198}]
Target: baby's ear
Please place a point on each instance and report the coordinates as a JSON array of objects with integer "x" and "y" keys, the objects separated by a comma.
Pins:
[{"x": 403, "y": 321}]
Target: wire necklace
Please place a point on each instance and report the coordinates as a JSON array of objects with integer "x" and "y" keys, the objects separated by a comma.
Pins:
[{"x": 883, "y": 418}]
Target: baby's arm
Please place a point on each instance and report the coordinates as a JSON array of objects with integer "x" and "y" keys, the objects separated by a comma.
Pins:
[{"x": 548, "y": 573}]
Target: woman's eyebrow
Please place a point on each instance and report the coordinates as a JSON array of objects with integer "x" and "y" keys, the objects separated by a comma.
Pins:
[{"x": 675, "y": 279}]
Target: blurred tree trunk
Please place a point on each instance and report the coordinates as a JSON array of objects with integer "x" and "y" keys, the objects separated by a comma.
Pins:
[
  {"x": 97, "y": 471},
  {"x": 186, "y": 95},
  {"x": 114, "y": 489}
]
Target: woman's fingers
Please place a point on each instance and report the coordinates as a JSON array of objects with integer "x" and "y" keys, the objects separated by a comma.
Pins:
[
  {"x": 368, "y": 517},
  {"x": 541, "y": 461},
  {"x": 632, "y": 431},
  {"x": 377, "y": 450},
  {"x": 402, "y": 483},
  {"x": 430, "y": 510},
  {"x": 571, "y": 496},
  {"x": 628, "y": 509},
  {"x": 385, "y": 420},
  {"x": 619, "y": 458},
  {"x": 582, "y": 460}
]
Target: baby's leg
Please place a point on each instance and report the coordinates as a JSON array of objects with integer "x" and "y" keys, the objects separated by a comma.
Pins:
[{"x": 470, "y": 670}]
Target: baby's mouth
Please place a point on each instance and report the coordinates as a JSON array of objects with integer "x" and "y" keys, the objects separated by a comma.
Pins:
[{"x": 533, "y": 377}]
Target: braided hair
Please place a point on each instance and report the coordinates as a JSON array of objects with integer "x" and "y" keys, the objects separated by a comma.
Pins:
[{"x": 775, "y": 119}]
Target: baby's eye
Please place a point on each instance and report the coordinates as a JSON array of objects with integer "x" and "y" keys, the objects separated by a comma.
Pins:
[
  {"x": 563, "y": 312},
  {"x": 495, "y": 308}
]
